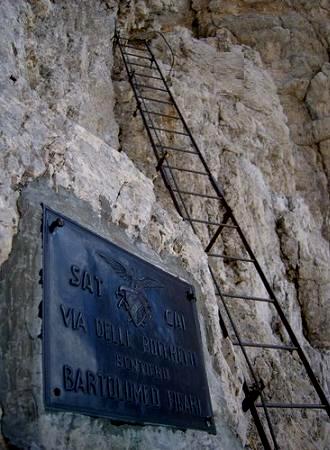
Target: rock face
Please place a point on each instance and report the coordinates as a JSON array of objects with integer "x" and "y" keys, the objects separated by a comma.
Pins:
[
  {"x": 252, "y": 78},
  {"x": 292, "y": 38}
]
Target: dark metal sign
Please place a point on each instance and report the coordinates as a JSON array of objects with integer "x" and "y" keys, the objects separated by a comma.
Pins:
[{"x": 121, "y": 337}]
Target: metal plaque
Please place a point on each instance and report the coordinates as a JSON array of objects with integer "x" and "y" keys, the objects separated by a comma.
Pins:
[{"x": 121, "y": 336}]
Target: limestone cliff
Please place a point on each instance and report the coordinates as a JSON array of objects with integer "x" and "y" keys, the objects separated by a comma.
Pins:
[{"x": 252, "y": 78}]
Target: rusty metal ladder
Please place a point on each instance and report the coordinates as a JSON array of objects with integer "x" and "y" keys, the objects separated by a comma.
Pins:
[{"x": 174, "y": 162}]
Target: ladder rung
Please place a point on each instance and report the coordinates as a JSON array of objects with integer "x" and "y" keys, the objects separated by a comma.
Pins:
[
  {"x": 168, "y": 131},
  {"x": 140, "y": 65},
  {"x": 233, "y": 258},
  {"x": 154, "y": 100},
  {"x": 291, "y": 405},
  {"x": 246, "y": 297},
  {"x": 130, "y": 39},
  {"x": 137, "y": 56},
  {"x": 138, "y": 74},
  {"x": 197, "y": 194},
  {"x": 271, "y": 346},
  {"x": 201, "y": 221},
  {"x": 134, "y": 48},
  {"x": 166, "y": 147},
  {"x": 160, "y": 114},
  {"x": 150, "y": 87},
  {"x": 197, "y": 172},
  {"x": 226, "y": 225}
]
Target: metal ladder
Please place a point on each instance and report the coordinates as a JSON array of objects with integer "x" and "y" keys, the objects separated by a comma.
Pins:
[{"x": 179, "y": 165}]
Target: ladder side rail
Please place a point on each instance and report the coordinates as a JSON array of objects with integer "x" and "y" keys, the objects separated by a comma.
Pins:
[
  {"x": 261, "y": 431},
  {"x": 269, "y": 423},
  {"x": 162, "y": 169},
  {"x": 234, "y": 327},
  {"x": 212, "y": 180},
  {"x": 258, "y": 422},
  {"x": 165, "y": 166},
  {"x": 247, "y": 359},
  {"x": 164, "y": 175}
]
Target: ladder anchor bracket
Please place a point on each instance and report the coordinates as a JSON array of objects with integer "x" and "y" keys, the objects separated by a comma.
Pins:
[
  {"x": 160, "y": 161},
  {"x": 223, "y": 327},
  {"x": 251, "y": 394},
  {"x": 131, "y": 75}
]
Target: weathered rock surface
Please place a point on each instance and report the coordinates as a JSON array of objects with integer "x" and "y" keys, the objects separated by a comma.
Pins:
[
  {"x": 252, "y": 78},
  {"x": 292, "y": 38}
]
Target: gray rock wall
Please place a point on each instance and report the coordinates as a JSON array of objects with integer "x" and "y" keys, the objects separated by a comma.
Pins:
[{"x": 252, "y": 79}]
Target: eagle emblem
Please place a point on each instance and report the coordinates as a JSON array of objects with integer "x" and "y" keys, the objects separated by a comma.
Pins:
[{"x": 131, "y": 294}]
